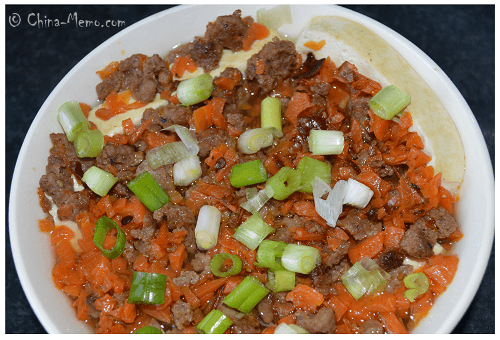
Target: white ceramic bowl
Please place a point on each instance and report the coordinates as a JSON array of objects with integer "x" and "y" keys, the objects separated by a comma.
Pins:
[{"x": 34, "y": 259}]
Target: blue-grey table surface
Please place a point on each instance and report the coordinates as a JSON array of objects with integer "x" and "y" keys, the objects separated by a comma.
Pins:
[{"x": 460, "y": 39}]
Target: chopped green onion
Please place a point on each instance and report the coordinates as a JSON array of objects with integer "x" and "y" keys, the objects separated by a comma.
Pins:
[
  {"x": 187, "y": 170},
  {"x": 148, "y": 330},
  {"x": 89, "y": 143},
  {"x": 195, "y": 90},
  {"x": 217, "y": 263},
  {"x": 299, "y": 258},
  {"x": 275, "y": 17},
  {"x": 169, "y": 153},
  {"x": 248, "y": 173},
  {"x": 331, "y": 208},
  {"x": 186, "y": 137},
  {"x": 258, "y": 200},
  {"x": 253, "y": 231},
  {"x": 281, "y": 280},
  {"x": 207, "y": 227},
  {"x": 389, "y": 101},
  {"x": 310, "y": 168},
  {"x": 251, "y": 141},
  {"x": 268, "y": 253},
  {"x": 417, "y": 284},
  {"x": 283, "y": 328},
  {"x": 357, "y": 194},
  {"x": 102, "y": 227},
  {"x": 147, "y": 288},
  {"x": 284, "y": 183},
  {"x": 214, "y": 322},
  {"x": 270, "y": 115},
  {"x": 365, "y": 277},
  {"x": 72, "y": 119},
  {"x": 148, "y": 191},
  {"x": 246, "y": 295},
  {"x": 326, "y": 142},
  {"x": 98, "y": 180}
]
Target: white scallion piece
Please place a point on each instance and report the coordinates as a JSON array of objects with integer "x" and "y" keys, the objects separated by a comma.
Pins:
[
  {"x": 187, "y": 170},
  {"x": 251, "y": 141},
  {"x": 207, "y": 227},
  {"x": 283, "y": 328},
  {"x": 331, "y": 208},
  {"x": 275, "y": 17},
  {"x": 326, "y": 142},
  {"x": 357, "y": 194},
  {"x": 186, "y": 137},
  {"x": 437, "y": 249},
  {"x": 299, "y": 258},
  {"x": 98, "y": 180},
  {"x": 256, "y": 201},
  {"x": 169, "y": 153},
  {"x": 195, "y": 90}
]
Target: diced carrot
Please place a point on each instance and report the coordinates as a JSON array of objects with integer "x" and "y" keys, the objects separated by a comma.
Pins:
[
  {"x": 108, "y": 70},
  {"x": 379, "y": 186},
  {"x": 232, "y": 283},
  {"x": 85, "y": 109},
  {"x": 421, "y": 306},
  {"x": 289, "y": 319},
  {"x": 338, "y": 306},
  {"x": 302, "y": 234},
  {"x": 136, "y": 209},
  {"x": 441, "y": 271},
  {"x": 190, "y": 297},
  {"x": 392, "y": 323},
  {"x": 393, "y": 237},
  {"x": 379, "y": 126},
  {"x": 217, "y": 109},
  {"x": 306, "y": 297},
  {"x": 46, "y": 225},
  {"x": 183, "y": 64},
  {"x": 61, "y": 233},
  {"x": 382, "y": 302},
  {"x": 305, "y": 208},
  {"x": 298, "y": 103},
  {"x": 256, "y": 31},
  {"x": 177, "y": 257},
  {"x": 369, "y": 247},
  {"x": 260, "y": 66},
  {"x": 203, "y": 118},
  {"x": 209, "y": 286},
  {"x": 315, "y": 45}
]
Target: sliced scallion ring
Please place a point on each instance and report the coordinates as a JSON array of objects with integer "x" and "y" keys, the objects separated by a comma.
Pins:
[
  {"x": 214, "y": 322},
  {"x": 186, "y": 137},
  {"x": 270, "y": 115},
  {"x": 268, "y": 253},
  {"x": 253, "y": 231},
  {"x": 281, "y": 280},
  {"x": 89, "y": 143},
  {"x": 248, "y": 173},
  {"x": 253, "y": 140},
  {"x": 147, "y": 288},
  {"x": 207, "y": 227},
  {"x": 187, "y": 170},
  {"x": 246, "y": 295},
  {"x": 300, "y": 258},
  {"x": 389, "y": 101},
  {"x": 72, "y": 119},
  {"x": 284, "y": 183},
  {"x": 98, "y": 180},
  {"x": 148, "y": 330},
  {"x": 195, "y": 90},
  {"x": 102, "y": 227},
  {"x": 217, "y": 263},
  {"x": 326, "y": 142},
  {"x": 169, "y": 153},
  {"x": 310, "y": 168},
  {"x": 417, "y": 284},
  {"x": 148, "y": 191}
]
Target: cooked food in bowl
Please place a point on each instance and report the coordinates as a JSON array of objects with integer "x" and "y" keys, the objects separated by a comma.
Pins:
[{"x": 244, "y": 183}]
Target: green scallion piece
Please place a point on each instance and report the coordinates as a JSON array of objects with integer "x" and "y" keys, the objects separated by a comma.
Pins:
[
  {"x": 310, "y": 168},
  {"x": 102, "y": 227},
  {"x": 417, "y": 284},
  {"x": 195, "y": 90},
  {"x": 281, "y": 280},
  {"x": 148, "y": 330},
  {"x": 299, "y": 258},
  {"x": 217, "y": 263},
  {"x": 248, "y": 173},
  {"x": 253, "y": 140},
  {"x": 89, "y": 143},
  {"x": 365, "y": 277},
  {"x": 270, "y": 115},
  {"x": 246, "y": 295},
  {"x": 214, "y": 322},
  {"x": 72, "y": 119},
  {"x": 147, "y": 288},
  {"x": 268, "y": 254},
  {"x": 98, "y": 180},
  {"x": 169, "y": 153},
  {"x": 284, "y": 183},
  {"x": 326, "y": 142},
  {"x": 252, "y": 231},
  {"x": 389, "y": 101},
  {"x": 148, "y": 191}
]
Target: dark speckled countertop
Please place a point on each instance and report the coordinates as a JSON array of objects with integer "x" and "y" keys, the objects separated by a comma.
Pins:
[{"x": 460, "y": 39}]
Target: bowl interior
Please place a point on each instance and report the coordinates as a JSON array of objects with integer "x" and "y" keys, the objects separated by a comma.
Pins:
[{"x": 34, "y": 258}]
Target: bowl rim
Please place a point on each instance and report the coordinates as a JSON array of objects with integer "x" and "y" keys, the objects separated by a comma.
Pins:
[{"x": 487, "y": 240}]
